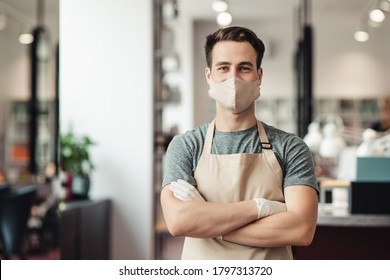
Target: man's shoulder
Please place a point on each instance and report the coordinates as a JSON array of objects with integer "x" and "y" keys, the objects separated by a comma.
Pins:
[
  {"x": 193, "y": 137},
  {"x": 276, "y": 133},
  {"x": 196, "y": 132},
  {"x": 284, "y": 141}
]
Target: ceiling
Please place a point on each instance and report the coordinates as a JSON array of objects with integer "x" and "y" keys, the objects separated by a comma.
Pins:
[
  {"x": 243, "y": 10},
  {"x": 275, "y": 9},
  {"x": 201, "y": 9}
]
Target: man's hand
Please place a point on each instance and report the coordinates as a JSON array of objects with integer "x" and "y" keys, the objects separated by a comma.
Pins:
[
  {"x": 268, "y": 207},
  {"x": 185, "y": 191}
]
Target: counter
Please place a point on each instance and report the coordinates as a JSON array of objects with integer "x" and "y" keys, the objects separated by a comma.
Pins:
[
  {"x": 328, "y": 216},
  {"x": 340, "y": 236}
]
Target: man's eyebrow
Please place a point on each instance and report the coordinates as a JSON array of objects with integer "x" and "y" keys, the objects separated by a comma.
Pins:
[
  {"x": 222, "y": 63},
  {"x": 248, "y": 63}
]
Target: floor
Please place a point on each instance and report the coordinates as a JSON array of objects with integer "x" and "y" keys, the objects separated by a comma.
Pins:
[
  {"x": 170, "y": 249},
  {"x": 52, "y": 254}
]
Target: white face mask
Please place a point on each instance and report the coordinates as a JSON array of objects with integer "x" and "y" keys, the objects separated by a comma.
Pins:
[{"x": 235, "y": 94}]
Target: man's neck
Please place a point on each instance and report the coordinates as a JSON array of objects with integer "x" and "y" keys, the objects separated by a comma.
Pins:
[{"x": 229, "y": 122}]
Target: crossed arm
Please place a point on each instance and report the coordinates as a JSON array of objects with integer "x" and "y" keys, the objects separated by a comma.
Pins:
[{"x": 238, "y": 223}]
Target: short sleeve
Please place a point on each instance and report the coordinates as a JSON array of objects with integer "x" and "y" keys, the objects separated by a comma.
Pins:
[
  {"x": 178, "y": 162},
  {"x": 299, "y": 165}
]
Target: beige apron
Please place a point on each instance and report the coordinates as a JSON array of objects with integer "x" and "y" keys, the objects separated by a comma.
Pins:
[{"x": 232, "y": 178}]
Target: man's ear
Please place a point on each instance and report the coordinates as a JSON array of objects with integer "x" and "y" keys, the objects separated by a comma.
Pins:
[
  {"x": 207, "y": 73},
  {"x": 260, "y": 74}
]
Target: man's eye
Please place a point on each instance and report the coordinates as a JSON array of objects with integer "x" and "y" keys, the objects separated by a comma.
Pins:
[
  {"x": 222, "y": 68},
  {"x": 245, "y": 69}
]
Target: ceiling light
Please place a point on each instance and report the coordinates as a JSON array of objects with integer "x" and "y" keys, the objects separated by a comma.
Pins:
[
  {"x": 220, "y": 6},
  {"x": 361, "y": 36},
  {"x": 224, "y": 19},
  {"x": 372, "y": 17},
  {"x": 377, "y": 15},
  {"x": 26, "y": 38},
  {"x": 361, "y": 32}
]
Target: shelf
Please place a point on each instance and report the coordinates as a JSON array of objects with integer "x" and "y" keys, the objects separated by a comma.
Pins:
[
  {"x": 17, "y": 139},
  {"x": 357, "y": 114}
]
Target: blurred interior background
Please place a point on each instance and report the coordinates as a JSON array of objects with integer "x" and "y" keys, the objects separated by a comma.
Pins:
[{"x": 91, "y": 93}]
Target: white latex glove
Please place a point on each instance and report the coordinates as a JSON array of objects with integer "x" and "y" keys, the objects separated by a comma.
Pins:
[
  {"x": 185, "y": 191},
  {"x": 269, "y": 207}
]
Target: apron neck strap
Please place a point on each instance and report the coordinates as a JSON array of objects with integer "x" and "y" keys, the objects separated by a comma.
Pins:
[
  {"x": 266, "y": 148},
  {"x": 209, "y": 138}
]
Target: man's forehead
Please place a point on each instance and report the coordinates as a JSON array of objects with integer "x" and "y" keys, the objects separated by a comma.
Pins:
[{"x": 231, "y": 50}]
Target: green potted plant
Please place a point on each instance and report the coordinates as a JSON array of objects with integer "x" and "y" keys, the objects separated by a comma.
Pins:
[{"x": 76, "y": 164}]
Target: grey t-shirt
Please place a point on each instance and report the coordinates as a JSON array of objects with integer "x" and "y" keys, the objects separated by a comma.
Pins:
[{"x": 294, "y": 156}]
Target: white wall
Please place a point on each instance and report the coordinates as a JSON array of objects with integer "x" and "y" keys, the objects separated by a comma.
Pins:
[
  {"x": 347, "y": 68},
  {"x": 106, "y": 92}
]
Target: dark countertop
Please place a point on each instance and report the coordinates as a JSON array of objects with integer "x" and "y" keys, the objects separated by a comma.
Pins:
[{"x": 328, "y": 216}]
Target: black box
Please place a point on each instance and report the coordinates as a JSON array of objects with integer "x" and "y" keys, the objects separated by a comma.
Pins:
[{"x": 369, "y": 198}]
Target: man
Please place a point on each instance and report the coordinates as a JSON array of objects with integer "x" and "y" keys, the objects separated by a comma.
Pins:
[{"x": 237, "y": 188}]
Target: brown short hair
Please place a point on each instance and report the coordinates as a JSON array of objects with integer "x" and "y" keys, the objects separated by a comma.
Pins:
[{"x": 237, "y": 34}]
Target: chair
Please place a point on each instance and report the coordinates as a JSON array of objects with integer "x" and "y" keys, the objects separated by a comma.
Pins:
[{"x": 15, "y": 210}]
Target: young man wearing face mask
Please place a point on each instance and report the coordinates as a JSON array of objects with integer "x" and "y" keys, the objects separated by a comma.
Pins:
[{"x": 237, "y": 188}]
